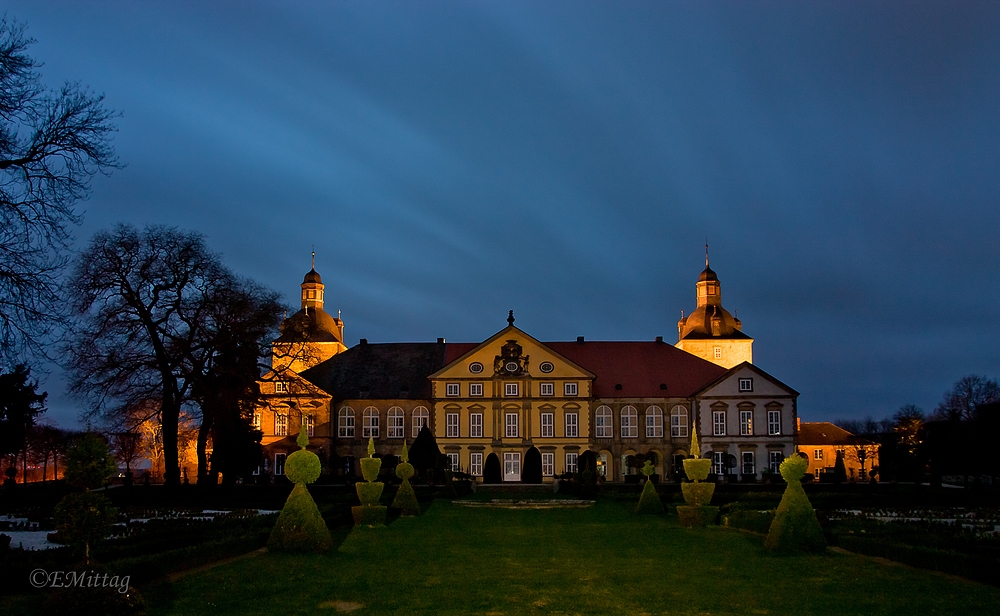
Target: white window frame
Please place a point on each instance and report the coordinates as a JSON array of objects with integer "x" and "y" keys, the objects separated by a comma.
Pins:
[
  {"x": 548, "y": 464},
  {"x": 548, "y": 425},
  {"x": 547, "y": 389},
  {"x": 280, "y": 387},
  {"x": 817, "y": 454},
  {"x": 370, "y": 421},
  {"x": 258, "y": 418},
  {"x": 629, "y": 417},
  {"x": 475, "y": 425},
  {"x": 345, "y": 422},
  {"x": 452, "y": 390},
  {"x": 746, "y": 384},
  {"x": 476, "y": 464},
  {"x": 279, "y": 467},
  {"x": 421, "y": 417},
  {"x": 510, "y": 390},
  {"x": 451, "y": 425},
  {"x": 717, "y": 352},
  {"x": 774, "y": 422},
  {"x": 717, "y": 467},
  {"x": 572, "y": 425},
  {"x": 570, "y": 389},
  {"x": 604, "y": 421},
  {"x": 309, "y": 422},
  {"x": 453, "y": 461},
  {"x": 654, "y": 422},
  {"x": 774, "y": 460},
  {"x": 718, "y": 423},
  {"x": 281, "y": 424},
  {"x": 744, "y": 465},
  {"x": 572, "y": 460},
  {"x": 397, "y": 423},
  {"x": 746, "y": 423},
  {"x": 679, "y": 422},
  {"x": 475, "y": 389},
  {"x": 510, "y": 425}
]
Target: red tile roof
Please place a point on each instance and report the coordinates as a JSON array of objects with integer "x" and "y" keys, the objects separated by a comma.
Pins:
[{"x": 822, "y": 433}]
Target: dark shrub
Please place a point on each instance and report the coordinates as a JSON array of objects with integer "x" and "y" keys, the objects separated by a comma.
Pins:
[
  {"x": 532, "y": 471},
  {"x": 491, "y": 470}
]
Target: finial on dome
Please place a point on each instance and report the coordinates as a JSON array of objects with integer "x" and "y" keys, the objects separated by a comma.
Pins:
[
  {"x": 706, "y": 252},
  {"x": 314, "y": 257},
  {"x": 510, "y": 318}
]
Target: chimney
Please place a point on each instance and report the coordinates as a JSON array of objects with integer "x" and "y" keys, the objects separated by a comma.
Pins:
[
  {"x": 659, "y": 339},
  {"x": 579, "y": 338},
  {"x": 440, "y": 340}
]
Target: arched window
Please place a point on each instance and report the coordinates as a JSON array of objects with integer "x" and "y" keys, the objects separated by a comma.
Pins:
[
  {"x": 654, "y": 422},
  {"x": 420, "y": 416},
  {"x": 370, "y": 427},
  {"x": 346, "y": 423},
  {"x": 678, "y": 421},
  {"x": 630, "y": 422},
  {"x": 396, "y": 423},
  {"x": 603, "y": 422}
]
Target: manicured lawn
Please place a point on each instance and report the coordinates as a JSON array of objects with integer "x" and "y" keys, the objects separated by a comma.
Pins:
[{"x": 603, "y": 560}]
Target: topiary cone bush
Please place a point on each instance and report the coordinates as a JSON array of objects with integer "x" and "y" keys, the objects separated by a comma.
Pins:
[
  {"x": 406, "y": 498},
  {"x": 795, "y": 527},
  {"x": 300, "y": 527},
  {"x": 697, "y": 495},
  {"x": 369, "y": 513},
  {"x": 84, "y": 518},
  {"x": 650, "y": 501}
]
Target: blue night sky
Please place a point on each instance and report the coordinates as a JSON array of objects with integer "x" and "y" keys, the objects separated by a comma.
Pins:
[{"x": 454, "y": 160}]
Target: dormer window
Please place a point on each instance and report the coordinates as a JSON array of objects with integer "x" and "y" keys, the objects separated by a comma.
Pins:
[
  {"x": 746, "y": 384},
  {"x": 280, "y": 387}
]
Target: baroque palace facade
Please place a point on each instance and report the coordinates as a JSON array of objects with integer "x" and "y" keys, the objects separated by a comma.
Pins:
[{"x": 511, "y": 392}]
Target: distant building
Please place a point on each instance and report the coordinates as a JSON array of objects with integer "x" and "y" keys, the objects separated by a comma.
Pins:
[
  {"x": 512, "y": 393},
  {"x": 820, "y": 441}
]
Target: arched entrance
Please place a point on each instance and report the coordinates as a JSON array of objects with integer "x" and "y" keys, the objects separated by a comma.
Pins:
[{"x": 532, "y": 472}]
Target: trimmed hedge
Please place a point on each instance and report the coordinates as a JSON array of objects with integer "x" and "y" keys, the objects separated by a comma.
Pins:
[
  {"x": 649, "y": 501},
  {"x": 752, "y": 520},
  {"x": 697, "y": 494},
  {"x": 979, "y": 568},
  {"x": 406, "y": 500},
  {"x": 795, "y": 527},
  {"x": 369, "y": 492},
  {"x": 300, "y": 527},
  {"x": 697, "y": 516},
  {"x": 369, "y": 515}
]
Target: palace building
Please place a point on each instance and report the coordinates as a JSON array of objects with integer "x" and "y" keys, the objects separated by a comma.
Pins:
[{"x": 625, "y": 401}]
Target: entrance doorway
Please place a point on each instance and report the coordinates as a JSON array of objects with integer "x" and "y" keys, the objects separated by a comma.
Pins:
[{"x": 512, "y": 467}]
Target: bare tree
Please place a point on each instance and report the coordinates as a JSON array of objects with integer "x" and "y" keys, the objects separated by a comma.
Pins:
[
  {"x": 51, "y": 145},
  {"x": 961, "y": 402}
]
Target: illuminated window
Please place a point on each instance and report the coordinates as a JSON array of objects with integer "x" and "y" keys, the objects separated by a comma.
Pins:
[
  {"x": 279, "y": 464},
  {"x": 603, "y": 422},
  {"x": 774, "y": 460},
  {"x": 548, "y": 464},
  {"x": 748, "y": 465},
  {"x": 547, "y": 389},
  {"x": 718, "y": 423},
  {"x": 630, "y": 421},
  {"x": 370, "y": 427},
  {"x": 451, "y": 425},
  {"x": 452, "y": 389},
  {"x": 548, "y": 430},
  {"x": 280, "y": 424},
  {"x": 678, "y": 422},
  {"x": 572, "y": 425},
  {"x": 476, "y": 425},
  {"x": 396, "y": 423},
  {"x": 309, "y": 423},
  {"x": 476, "y": 464},
  {"x": 746, "y": 423},
  {"x": 571, "y": 459},
  {"x": 817, "y": 454},
  {"x": 774, "y": 422},
  {"x": 718, "y": 462},
  {"x": 453, "y": 462},
  {"x": 746, "y": 384},
  {"x": 256, "y": 420},
  {"x": 654, "y": 422},
  {"x": 475, "y": 389},
  {"x": 346, "y": 423},
  {"x": 510, "y": 424},
  {"x": 718, "y": 352},
  {"x": 420, "y": 416},
  {"x": 280, "y": 387},
  {"x": 510, "y": 389},
  {"x": 569, "y": 389}
]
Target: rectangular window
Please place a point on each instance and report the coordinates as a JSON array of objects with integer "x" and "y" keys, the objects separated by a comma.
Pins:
[
  {"x": 280, "y": 387},
  {"x": 679, "y": 424},
  {"x": 476, "y": 425},
  {"x": 774, "y": 422},
  {"x": 654, "y": 425},
  {"x": 548, "y": 430},
  {"x": 547, "y": 389},
  {"x": 309, "y": 422},
  {"x": 569, "y": 389},
  {"x": 571, "y": 462},
  {"x": 718, "y": 423},
  {"x": 510, "y": 424},
  {"x": 817, "y": 454},
  {"x": 256, "y": 420},
  {"x": 748, "y": 465},
  {"x": 452, "y": 389},
  {"x": 746, "y": 423},
  {"x": 279, "y": 464},
  {"x": 572, "y": 425},
  {"x": 629, "y": 429},
  {"x": 451, "y": 425},
  {"x": 718, "y": 463},
  {"x": 548, "y": 464},
  {"x": 476, "y": 464},
  {"x": 475, "y": 389},
  {"x": 280, "y": 424},
  {"x": 774, "y": 460},
  {"x": 510, "y": 389},
  {"x": 369, "y": 429},
  {"x": 396, "y": 429},
  {"x": 746, "y": 384},
  {"x": 346, "y": 425},
  {"x": 718, "y": 352},
  {"x": 602, "y": 425},
  {"x": 453, "y": 461}
]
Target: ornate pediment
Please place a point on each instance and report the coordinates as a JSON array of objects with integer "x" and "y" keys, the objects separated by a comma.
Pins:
[{"x": 511, "y": 361}]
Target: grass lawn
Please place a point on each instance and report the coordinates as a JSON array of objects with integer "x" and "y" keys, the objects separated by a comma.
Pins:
[{"x": 603, "y": 560}]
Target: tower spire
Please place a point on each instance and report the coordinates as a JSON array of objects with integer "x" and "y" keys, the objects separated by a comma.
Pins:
[
  {"x": 314, "y": 257},
  {"x": 706, "y": 253}
]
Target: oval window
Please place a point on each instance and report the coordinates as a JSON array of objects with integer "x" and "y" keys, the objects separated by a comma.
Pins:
[
  {"x": 546, "y": 367},
  {"x": 475, "y": 367},
  {"x": 512, "y": 366}
]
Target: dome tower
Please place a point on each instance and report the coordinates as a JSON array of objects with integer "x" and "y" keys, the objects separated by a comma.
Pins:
[{"x": 311, "y": 335}]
